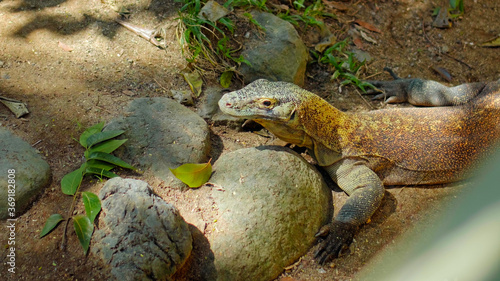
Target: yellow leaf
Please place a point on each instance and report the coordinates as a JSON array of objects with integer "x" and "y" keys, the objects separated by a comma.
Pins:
[
  {"x": 194, "y": 175},
  {"x": 225, "y": 78},
  {"x": 492, "y": 43},
  {"x": 194, "y": 80}
]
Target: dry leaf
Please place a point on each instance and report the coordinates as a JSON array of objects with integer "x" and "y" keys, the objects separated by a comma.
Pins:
[
  {"x": 367, "y": 38},
  {"x": 336, "y": 5},
  {"x": 325, "y": 43},
  {"x": 442, "y": 20},
  {"x": 442, "y": 72},
  {"x": 357, "y": 41},
  {"x": 64, "y": 47},
  {"x": 17, "y": 107},
  {"x": 367, "y": 26},
  {"x": 194, "y": 80}
]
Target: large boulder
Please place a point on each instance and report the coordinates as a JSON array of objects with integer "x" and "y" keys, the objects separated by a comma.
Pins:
[
  {"x": 140, "y": 235},
  {"x": 162, "y": 134},
  {"x": 272, "y": 204},
  {"x": 278, "y": 55},
  {"x": 27, "y": 171}
]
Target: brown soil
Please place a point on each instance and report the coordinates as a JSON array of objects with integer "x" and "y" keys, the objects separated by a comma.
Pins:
[{"x": 109, "y": 66}]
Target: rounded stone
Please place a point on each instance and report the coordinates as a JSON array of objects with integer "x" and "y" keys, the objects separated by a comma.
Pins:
[
  {"x": 27, "y": 171},
  {"x": 140, "y": 235},
  {"x": 272, "y": 204},
  {"x": 162, "y": 134},
  {"x": 278, "y": 55}
]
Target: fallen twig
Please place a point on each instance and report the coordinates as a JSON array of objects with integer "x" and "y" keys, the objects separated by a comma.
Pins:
[{"x": 434, "y": 45}]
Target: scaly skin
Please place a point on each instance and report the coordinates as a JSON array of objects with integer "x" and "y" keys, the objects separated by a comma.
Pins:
[{"x": 364, "y": 151}]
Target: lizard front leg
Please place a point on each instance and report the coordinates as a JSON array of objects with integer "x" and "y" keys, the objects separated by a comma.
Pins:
[{"x": 365, "y": 190}]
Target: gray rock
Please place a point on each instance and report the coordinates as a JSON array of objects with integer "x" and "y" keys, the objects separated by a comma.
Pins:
[
  {"x": 279, "y": 55},
  {"x": 162, "y": 134},
  {"x": 31, "y": 174},
  {"x": 273, "y": 204},
  {"x": 209, "y": 106},
  {"x": 140, "y": 235}
]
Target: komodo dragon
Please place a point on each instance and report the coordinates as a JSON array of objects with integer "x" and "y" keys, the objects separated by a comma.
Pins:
[{"x": 363, "y": 151}]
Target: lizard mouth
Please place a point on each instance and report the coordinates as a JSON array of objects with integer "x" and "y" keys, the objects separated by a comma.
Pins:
[{"x": 229, "y": 107}]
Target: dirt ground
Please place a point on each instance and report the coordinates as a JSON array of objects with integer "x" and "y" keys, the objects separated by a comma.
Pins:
[{"x": 109, "y": 66}]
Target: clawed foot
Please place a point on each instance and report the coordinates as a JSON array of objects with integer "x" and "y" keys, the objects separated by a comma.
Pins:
[
  {"x": 339, "y": 237},
  {"x": 390, "y": 91}
]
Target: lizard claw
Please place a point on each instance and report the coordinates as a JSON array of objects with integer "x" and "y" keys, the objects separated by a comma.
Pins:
[
  {"x": 323, "y": 231},
  {"x": 340, "y": 236},
  {"x": 390, "y": 91}
]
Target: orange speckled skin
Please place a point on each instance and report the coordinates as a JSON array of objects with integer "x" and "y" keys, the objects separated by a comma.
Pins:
[{"x": 415, "y": 145}]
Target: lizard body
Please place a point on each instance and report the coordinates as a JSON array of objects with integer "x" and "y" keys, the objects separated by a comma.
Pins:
[{"x": 364, "y": 151}]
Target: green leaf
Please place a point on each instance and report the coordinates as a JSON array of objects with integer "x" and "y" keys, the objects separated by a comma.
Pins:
[
  {"x": 225, "y": 79},
  {"x": 194, "y": 175},
  {"x": 92, "y": 205},
  {"x": 100, "y": 172},
  {"x": 106, "y": 157},
  {"x": 102, "y": 136},
  {"x": 50, "y": 224},
  {"x": 90, "y": 131},
  {"x": 83, "y": 229},
  {"x": 96, "y": 164},
  {"x": 107, "y": 146},
  {"x": 70, "y": 182}
]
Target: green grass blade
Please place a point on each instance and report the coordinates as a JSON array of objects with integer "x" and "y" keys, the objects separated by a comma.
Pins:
[{"x": 227, "y": 23}]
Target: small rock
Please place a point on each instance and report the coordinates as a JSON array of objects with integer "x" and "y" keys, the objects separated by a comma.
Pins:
[
  {"x": 26, "y": 169},
  {"x": 140, "y": 235},
  {"x": 182, "y": 97},
  {"x": 209, "y": 103}
]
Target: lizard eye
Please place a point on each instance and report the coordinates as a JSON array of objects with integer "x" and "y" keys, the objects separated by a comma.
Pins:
[{"x": 267, "y": 103}]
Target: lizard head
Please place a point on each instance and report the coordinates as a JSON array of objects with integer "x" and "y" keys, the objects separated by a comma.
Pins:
[{"x": 261, "y": 99}]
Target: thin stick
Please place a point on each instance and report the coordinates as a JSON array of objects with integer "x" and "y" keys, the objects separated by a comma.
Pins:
[
  {"x": 63, "y": 242},
  {"x": 361, "y": 96},
  {"x": 373, "y": 75},
  {"x": 434, "y": 45}
]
